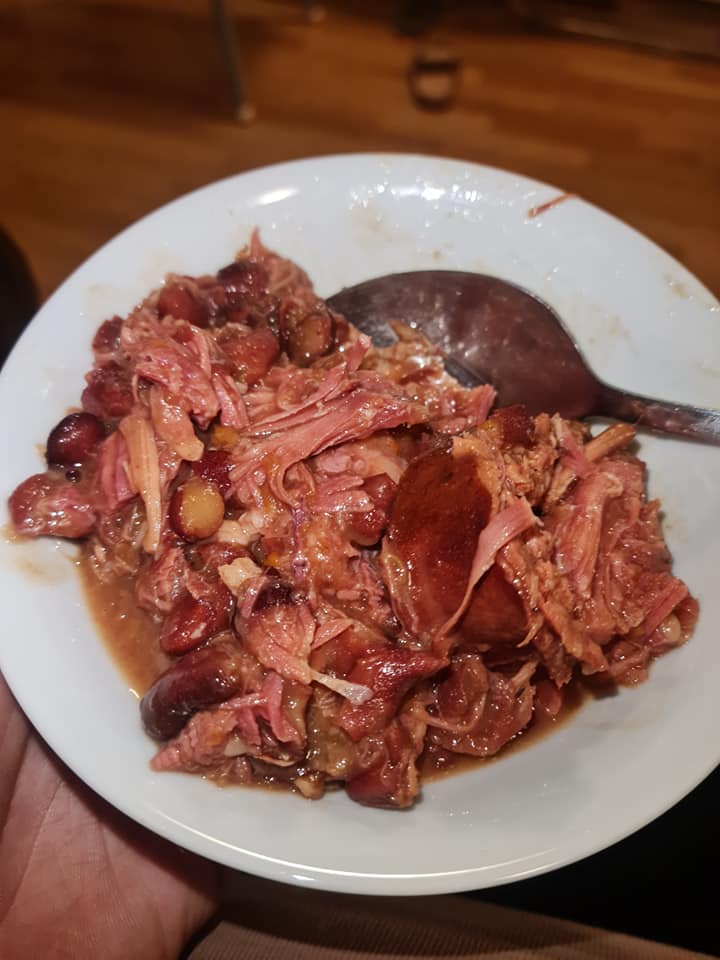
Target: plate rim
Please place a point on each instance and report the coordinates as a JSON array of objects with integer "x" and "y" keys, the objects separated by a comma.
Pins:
[{"x": 383, "y": 883}]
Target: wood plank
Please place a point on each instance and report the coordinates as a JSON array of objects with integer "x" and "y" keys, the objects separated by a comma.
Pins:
[{"x": 110, "y": 108}]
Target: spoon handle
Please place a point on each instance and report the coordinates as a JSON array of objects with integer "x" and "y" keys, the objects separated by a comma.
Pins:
[{"x": 676, "y": 418}]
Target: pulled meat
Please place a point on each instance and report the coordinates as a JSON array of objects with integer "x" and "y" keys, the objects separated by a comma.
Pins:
[{"x": 349, "y": 561}]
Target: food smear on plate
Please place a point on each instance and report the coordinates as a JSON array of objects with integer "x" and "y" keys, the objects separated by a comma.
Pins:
[{"x": 352, "y": 566}]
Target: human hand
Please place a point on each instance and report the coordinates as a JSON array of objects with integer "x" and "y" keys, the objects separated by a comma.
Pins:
[{"x": 77, "y": 878}]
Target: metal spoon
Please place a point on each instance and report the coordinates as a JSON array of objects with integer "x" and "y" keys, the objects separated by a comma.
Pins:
[{"x": 492, "y": 331}]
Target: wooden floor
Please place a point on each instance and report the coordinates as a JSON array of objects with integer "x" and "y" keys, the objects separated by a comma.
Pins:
[{"x": 108, "y": 109}]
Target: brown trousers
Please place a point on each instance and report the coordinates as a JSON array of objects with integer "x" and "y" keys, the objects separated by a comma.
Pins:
[{"x": 275, "y": 922}]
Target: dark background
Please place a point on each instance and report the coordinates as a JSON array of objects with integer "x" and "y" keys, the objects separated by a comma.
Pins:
[{"x": 661, "y": 883}]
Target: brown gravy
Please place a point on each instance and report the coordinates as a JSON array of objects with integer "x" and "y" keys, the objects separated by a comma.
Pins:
[
  {"x": 437, "y": 763},
  {"x": 131, "y": 639},
  {"x": 127, "y": 631}
]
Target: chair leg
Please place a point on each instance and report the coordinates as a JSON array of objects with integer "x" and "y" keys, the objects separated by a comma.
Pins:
[{"x": 244, "y": 111}]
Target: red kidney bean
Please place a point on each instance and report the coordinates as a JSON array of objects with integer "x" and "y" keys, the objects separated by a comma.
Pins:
[
  {"x": 47, "y": 504},
  {"x": 107, "y": 336},
  {"x": 193, "y": 621},
  {"x": 199, "y": 680},
  {"x": 307, "y": 334},
  {"x": 242, "y": 280},
  {"x": 72, "y": 440},
  {"x": 251, "y": 353},
  {"x": 181, "y": 303}
]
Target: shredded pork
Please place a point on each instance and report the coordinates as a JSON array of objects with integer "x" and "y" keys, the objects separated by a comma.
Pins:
[{"x": 352, "y": 564}]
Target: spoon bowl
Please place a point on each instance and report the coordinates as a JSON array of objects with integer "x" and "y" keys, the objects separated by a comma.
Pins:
[{"x": 492, "y": 331}]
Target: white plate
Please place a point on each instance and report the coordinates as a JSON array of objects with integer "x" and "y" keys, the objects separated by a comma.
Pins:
[{"x": 645, "y": 324}]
